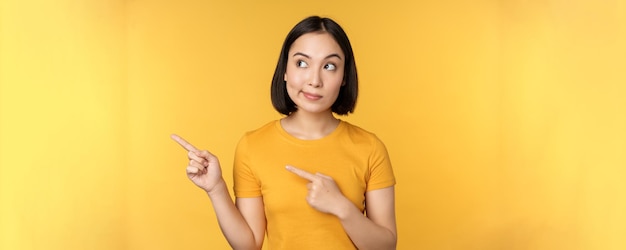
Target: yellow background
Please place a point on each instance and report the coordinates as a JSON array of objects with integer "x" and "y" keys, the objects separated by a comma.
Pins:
[{"x": 505, "y": 120}]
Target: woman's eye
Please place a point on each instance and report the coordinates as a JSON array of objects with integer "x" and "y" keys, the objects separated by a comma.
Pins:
[
  {"x": 330, "y": 66},
  {"x": 301, "y": 64}
]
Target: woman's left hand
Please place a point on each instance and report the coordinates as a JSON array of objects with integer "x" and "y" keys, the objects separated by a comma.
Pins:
[{"x": 324, "y": 194}]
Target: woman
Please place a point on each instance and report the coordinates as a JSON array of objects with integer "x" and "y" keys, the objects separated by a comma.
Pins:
[{"x": 307, "y": 179}]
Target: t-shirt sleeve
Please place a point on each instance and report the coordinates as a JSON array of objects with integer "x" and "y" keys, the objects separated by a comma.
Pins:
[
  {"x": 381, "y": 172},
  {"x": 246, "y": 184}
]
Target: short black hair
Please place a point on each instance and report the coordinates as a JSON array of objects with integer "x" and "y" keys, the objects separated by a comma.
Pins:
[{"x": 346, "y": 100}]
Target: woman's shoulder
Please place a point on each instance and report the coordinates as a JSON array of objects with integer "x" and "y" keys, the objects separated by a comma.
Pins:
[
  {"x": 262, "y": 132},
  {"x": 356, "y": 132},
  {"x": 365, "y": 141}
]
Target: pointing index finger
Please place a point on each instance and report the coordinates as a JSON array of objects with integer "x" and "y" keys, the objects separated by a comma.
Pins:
[
  {"x": 301, "y": 173},
  {"x": 186, "y": 145}
]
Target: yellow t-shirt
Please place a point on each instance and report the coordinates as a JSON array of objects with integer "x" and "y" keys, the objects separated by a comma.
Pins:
[{"x": 356, "y": 159}]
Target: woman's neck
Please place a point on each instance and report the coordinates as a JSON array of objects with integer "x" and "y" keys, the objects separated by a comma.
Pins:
[{"x": 309, "y": 126}]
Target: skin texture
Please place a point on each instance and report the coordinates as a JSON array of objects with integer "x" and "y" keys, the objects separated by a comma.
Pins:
[
  {"x": 242, "y": 222},
  {"x": 314, "y": 72},
  {"x": 314, "y": 77}
]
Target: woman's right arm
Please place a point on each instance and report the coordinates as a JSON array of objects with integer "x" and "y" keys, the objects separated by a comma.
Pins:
[{"x": 243, "y": 223}]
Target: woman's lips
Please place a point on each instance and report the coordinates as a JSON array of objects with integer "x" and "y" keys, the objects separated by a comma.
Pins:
[{"x": 311, "y": 96}]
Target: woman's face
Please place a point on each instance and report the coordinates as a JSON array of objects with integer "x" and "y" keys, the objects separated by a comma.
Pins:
[{"x": 314, "y": 74}]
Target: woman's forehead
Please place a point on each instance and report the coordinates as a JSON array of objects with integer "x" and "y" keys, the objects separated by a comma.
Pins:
[{"x": 316, "y": 44}]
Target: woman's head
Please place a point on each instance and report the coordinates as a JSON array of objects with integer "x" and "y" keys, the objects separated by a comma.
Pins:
[{"x": 348, "y": 92}]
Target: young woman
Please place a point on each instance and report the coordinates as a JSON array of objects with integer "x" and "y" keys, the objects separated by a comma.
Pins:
[{"x": 308, "y": 180}]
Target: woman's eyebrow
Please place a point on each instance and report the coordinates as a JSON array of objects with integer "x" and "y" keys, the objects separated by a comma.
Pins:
[
  {"x": 301, "y": 54},
  {"x": 333, "y": 55},
  {"x": 307, "y": 56}
]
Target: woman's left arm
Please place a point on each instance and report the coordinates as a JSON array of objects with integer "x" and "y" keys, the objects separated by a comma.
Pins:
[{"x": 378, "y": 229}]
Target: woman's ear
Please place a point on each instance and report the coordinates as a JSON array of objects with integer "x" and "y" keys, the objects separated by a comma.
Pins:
[{"x": 285, "y": 77}]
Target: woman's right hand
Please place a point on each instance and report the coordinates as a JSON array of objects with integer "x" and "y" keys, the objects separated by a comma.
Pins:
[{"x": 204, "y": 168}]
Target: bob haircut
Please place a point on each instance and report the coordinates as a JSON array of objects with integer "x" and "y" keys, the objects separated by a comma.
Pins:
[{"x": 346, "y": 100}]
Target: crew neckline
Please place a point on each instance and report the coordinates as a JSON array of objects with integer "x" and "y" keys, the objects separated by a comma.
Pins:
[{"x": 340, "y": 127}]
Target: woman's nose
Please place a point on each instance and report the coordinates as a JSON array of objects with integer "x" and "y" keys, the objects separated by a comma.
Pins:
[{"x": 316, "y": 79}]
